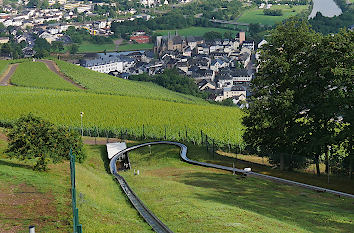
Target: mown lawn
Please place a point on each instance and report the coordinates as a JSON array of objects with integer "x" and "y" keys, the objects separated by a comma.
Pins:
[
  {"x": 101, "y": 202},
  {"x": 307, "y": 176},
  {"x": 34, "y": 198},
  {"x": 132, "y": 47},
  {"x": 88, "y": 47},
  {"x": 256, "y": 15},
  {"x": 3, "y": 66},
  {"x": 189, "y": 198},
  {"x": 196, "y": 31},
  {"x": 43, "y": 199}
]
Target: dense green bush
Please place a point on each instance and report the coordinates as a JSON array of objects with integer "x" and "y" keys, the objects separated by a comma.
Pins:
[
  {"x": 270, "y": 12},
  {"x": 172, "y": 80},
  {"x": 34, "y": 138}
]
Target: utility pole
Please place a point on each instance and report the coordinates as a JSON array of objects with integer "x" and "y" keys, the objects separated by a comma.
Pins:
[
  {"x": 82, "y": 129},
  {"x": 328, "y": 154}
]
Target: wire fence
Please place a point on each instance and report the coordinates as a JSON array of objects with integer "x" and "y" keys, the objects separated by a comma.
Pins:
[{"x": 210, "y": 144}]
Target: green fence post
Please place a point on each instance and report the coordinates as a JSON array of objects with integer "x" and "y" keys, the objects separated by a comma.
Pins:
[{"x": 77, "y": 228}]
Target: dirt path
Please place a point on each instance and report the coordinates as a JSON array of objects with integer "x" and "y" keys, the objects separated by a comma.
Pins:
[
  {"x": 5, "y": 78},
  {"x": 53, "y": 67},
  {"x": 22, "y": 205},
  {"x": 118, "y": 42}
]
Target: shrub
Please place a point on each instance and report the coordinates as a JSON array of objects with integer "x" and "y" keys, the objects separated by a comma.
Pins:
[{"x": 34, "y": 138}]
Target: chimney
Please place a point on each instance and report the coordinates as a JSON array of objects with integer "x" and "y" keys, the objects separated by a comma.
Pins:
[{"x": 241, "y": 37}]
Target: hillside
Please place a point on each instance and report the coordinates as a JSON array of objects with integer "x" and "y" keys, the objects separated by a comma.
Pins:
[
  {"x": 3, "y": 65},
  {"x": 36, "y": 74},
  {"x": 207, "y": 200},
  {"x": 100, "y": 200},
  {"x": 106, "y": 84},
  {"x": 191, "y": 198},
  {"x": 117, "y": 113}
]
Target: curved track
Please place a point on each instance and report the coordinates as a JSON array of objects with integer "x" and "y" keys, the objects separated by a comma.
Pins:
[{"x": 153, "y": 221}]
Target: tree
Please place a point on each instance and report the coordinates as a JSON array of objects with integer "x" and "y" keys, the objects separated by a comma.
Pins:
[
  {"x": 33, "y": 4},
  {"x": 210, "y": 36},
  {"x": 74, "y": 48},
  {"x": 6, "y": 49},
  {"x": 172, "y": 80},
  {"x": 272, "y": 126},
  {"x": 57, "y": 46},
  {"x": 45, "y": 4},
  {"x": 228, "y": 35},
  {"x": 270, "y": 12},
  {"x": 56, "y": 5},
  {"x": 227, "y": 102},
  {"x": 303, "y": 102},
  {"x": 34, "y": 138},
  {"x": 254, "y": 28}
]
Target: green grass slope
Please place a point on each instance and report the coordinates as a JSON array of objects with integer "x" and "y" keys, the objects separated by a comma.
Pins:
[
  {"x": 37, "y": 74},
  {"x": 124, "y": 112},
  {"x": 190, "y": 198},
  {"x": 43, "y": 199},
  {"x": 196, "y": 31},
  {"x": 256, "y": 15},
  {"x": 3, "y": 66},
  {"x": 104, "y": 83},
  {"x": 88, "y": 47},
  {"x": 33, "y": 198},
  {"x": 102, "y": 205}
]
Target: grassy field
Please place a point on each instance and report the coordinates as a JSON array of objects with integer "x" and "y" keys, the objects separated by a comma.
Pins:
[
  {"x": 104, "y": 83},
  {"x": 43, "y": 198},
  {"x": 123, "y": 112},
  {"x": 3, "y": 66},
  {"x": 132, "y": 47},
  {"x": 88, "y": 47},
  {"x": 36, "y": 74},
  {"x": 256, "y": 15},
  {"x": 189, "y": 198},
  {"x": 33, "y": 198},
  {"x": 196, "y": 31},
  {"x": 262, "y": 166},
  {"x": 102, "y": 204}
]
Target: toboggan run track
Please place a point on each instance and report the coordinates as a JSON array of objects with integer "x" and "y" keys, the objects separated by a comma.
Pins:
[{"x": 156, "y": 223}]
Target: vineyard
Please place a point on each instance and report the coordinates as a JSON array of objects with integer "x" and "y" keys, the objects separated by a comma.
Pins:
[
  {"x": 36, "y": 74},
  {"x": 137, "y": 116},
  {"x": 106, "y": 84},
  {"x": 3, "y": 66}
]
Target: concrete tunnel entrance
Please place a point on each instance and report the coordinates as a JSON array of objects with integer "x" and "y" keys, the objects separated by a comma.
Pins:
[{"x": 123, "y": 162}]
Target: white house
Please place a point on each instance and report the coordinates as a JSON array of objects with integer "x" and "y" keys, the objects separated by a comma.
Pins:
[
  {"x": 235, "y": 91},
  {"x": 107, "y": 63}
]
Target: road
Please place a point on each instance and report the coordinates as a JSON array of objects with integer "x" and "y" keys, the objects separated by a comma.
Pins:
[{"x": 228, "y": 22}]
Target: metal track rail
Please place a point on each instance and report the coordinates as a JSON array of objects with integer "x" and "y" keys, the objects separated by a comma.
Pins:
[
  {"x": 148, "y": 216},
  {"x": 153, "y": 221}
]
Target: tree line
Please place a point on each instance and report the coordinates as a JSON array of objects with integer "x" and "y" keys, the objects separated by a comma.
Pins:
[
  {"x": 172, "y": 80},
  {"x": 302, "y": 108},
  {"x": 276, "y": 12}
]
